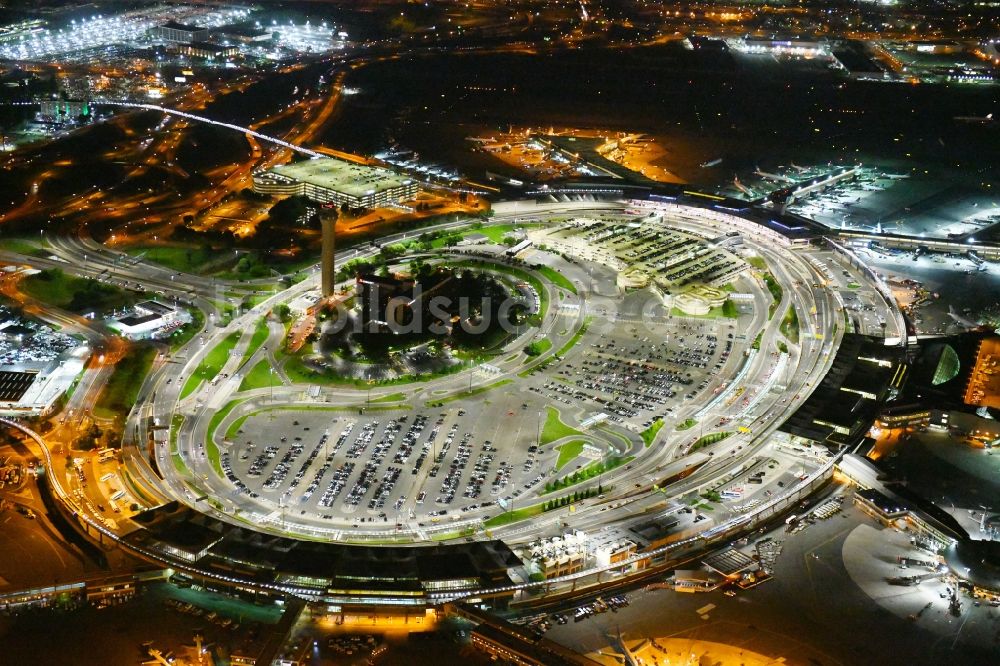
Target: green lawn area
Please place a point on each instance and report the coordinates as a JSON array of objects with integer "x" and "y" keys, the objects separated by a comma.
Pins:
[
  {"x": 782, "y": 347},
  {"x": 122, "y": 389},
  {"x": 225, "y": 309},
  {"x": 234, "y": 427},
  {"x": 225, "y": 264},
  {"x": 575, "y": 339},
  {"x": 175, "y": 426},
  {"x": 260, "y": 334},
  {"x": 756, "y": 341},
  {"x": 538, "y": 347},
  {"x": 687, "y": 425},
  {"x": 649, "y": 434},
  {"x": 554, "y": 429},
  {"x": 853, "y": 285},
  {"x": 568, "y": 452},
  {"x": 211, "y": 449},
  {"x": 214, "y": 456},
  {"x": 185, "y": 259},
  {"x": 790, "y": 325},
  {"x": 218, "y": 417},
  {"x": 447, "y": 536},
  {"x": 508, "y": 517},
  {"x": 211, "y": 365},
  {"x": 758, "y": 263},
  {"x": 726, "y": 311},
  {"x": 496, "y": 233},
  {"x": 76, "y": 294},
  {"x": 556, "y": 278},
  {"x": 25, "y": 246},
  {"x": 300, "y": 373},
  {"x": 541, "y": 365},
  {"x": 259, "y": 376},
  {"x": 179, "y": 465}
]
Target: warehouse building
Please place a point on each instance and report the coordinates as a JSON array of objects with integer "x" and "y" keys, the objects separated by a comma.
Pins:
[{"x": 149, "y": 320}]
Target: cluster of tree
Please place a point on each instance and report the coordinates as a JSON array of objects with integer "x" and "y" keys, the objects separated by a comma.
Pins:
[
  {"x": 94, "y": 296},
  {"x": 283, "y": 313},
  {"x": 86, "y": 295},
  {"x": 355, "y": 267},
  {"x": 248, "y": 194},
  {"x": 280, "y": 229},
  {"x": 208, "y": 238},
  {"x": 712, "y": 496},
  {"x": 389, "y": 252},
  {"x": 251, "y": 266},
  {"x": 566, "y": 500},
  {"x": 294, "y": 212},
  {"x": 89, "y": 439},
  {"x": 535, "y": 348}
]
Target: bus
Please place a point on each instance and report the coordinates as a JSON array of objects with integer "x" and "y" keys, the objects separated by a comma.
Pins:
[
  {"x": 118, "y": 495},
  {"x": 104, "y": 455}
]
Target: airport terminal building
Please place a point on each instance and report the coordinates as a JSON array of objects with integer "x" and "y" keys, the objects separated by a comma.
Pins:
[
  {"x": 172, "y": 31},
  {"x": 330, "y": 180}
]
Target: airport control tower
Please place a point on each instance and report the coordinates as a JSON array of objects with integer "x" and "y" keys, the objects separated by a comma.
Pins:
[{"x": 328, "y": 265}]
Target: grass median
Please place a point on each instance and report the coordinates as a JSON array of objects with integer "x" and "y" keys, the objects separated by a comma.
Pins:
[
  {"x": 790, "y": 325},
  {"x": 649, "y": 434},
  {"x": 212, "y": 364},
  {"x": 556, "y": 278},
  {"x": 260, "y": 376},
  {"x": 260, "y": 333},
  {"x": 555, "y": 429},
  {"x": 508, "y": 517},
  {"x": 776, "y": 293},
  {"x": 568, "y": 452}
]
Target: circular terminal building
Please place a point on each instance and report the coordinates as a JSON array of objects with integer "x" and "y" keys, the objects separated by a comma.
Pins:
[{"x": 593, "y": 391}]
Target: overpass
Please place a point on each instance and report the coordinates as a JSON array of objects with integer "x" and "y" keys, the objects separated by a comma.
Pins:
[{"x": 202, "y": 119}]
